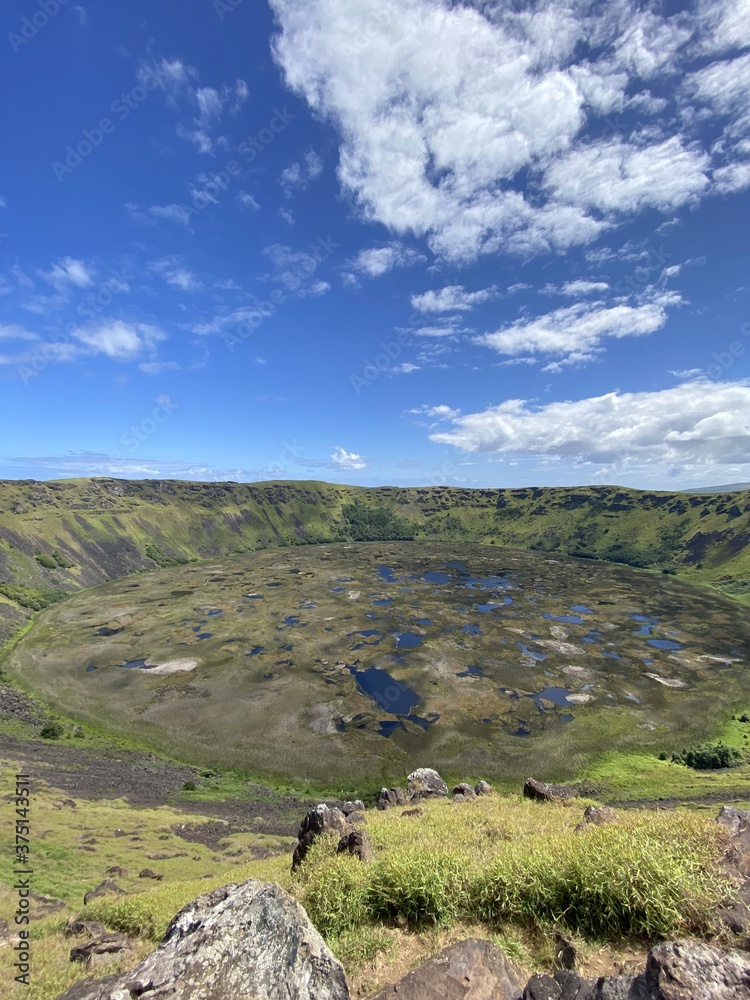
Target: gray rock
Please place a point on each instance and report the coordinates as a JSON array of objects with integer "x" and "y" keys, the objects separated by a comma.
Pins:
[
  {"x": 358, "y": 843},
  {"x": 240, "y": 942},
  {"x": 148, "y": 873},
  {"x": 737, "y": 821},
  {"x": 320, "y": 820},
  {"x": 463, "y": 793},
  {"x": 691, "y": 970},
  {"x": 357, "y": 806},
  {"x": 416, "y": 811},
  {"x": 599, "y": 815},
  {"x": 468, "y": 970},
  {"x": 390, "y": 797},
  {"x": 482, "y": 788},
  {"x": 425, "y": 783},
  {"x": 103, "y": 944},
  {"x": 544, "y": 792},
  {"x": 542, "y": 988}
]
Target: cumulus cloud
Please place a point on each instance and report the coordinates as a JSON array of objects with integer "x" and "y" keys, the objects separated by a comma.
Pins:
[
  {"x": 698, "y": 423},
  {"x": 478, "y": 125},
  {"x": 348, "y": 460},
  {"x": 119, "y": 340},
  {"x": 173, "y": 273},
  {"x": 576, "y": 333},
  {"x": 452, "y": 298},
  {"x": 377, "y": 261}
]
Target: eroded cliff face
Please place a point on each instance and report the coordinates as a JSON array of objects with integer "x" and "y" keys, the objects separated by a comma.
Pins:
[{"x": 57, "y": 537}]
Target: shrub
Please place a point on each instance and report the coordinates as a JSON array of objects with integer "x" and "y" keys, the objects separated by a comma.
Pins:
[
  {"x": 52, "y": 731},
  {"x": 47, "y": 561},
  {"x": 709, "y": 757},
  {"x": 189, "y": 786}
]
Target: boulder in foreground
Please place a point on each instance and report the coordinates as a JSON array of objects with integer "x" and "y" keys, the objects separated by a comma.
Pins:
[
  {"x": 468, "y": 970},
  {"x": 542, "y": 791},
  {"x": 425, "y": 783},
  {"x": 239, "y": 942}
]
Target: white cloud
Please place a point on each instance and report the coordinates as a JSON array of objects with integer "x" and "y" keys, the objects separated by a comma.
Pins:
[
  {"x": 173, "y": 273},
  {"x": 615, "y": 176},
  {"x": 580, "y": 287},
  {"x": 300, "y": 174},
  {"x": 735, "y": 177},
  {"x": 209, "y": 104},
  {"x": 468, "y": 124},
  {"x": 575, "y": 333},
  {"x": 245, "y": 200},
  {"x": 119, "y": 340},
  {"x": 170, "y": 213},
  {"x": 699, "y": 423},
  {"x": 68, "y": 271},
  {"x": 14, "y": 331},
  {"x": 348, "y": 460},
  {"x": 452, "y": 298},
  {"x": 377, "y": 261},
  {"x": 727, "y": 24}
]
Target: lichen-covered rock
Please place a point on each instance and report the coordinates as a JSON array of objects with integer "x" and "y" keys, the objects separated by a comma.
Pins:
[
  {"x": 482, "y": 788},
  {"x": 322, "y": 819},
  {"x": 691, "y": 970},
  {"x": 390, "y": 797},
  {"x": 545, "y": 792},
  {"x": 240, "y": 942},
  {"x": 357, "y": 843},
  {"x": 425, "y": 783},
  {"x": 468, "y": 970}
]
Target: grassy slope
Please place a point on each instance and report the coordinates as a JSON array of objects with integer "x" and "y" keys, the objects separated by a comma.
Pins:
[{"x": 107, "y": 529}]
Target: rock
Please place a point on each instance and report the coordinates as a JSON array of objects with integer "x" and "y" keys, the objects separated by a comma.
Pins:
[
  {"x": 596, "y": 816},
  {"x": 737, "y": 821},
  {"x": 358, "y": 843},
  {"x": 104, "y": 944},
  {"x": 147, "y": 873},
  {"x": 322, "y": 819},
  {"x": 105, "y": 888},
  {"x": 542, "y": 988},
  {"x": 357, "y": 806},
  {"x": 239, "y": 942},
  {"x": 566, "y": 953},
  {"x": 543, "y": 792},
  {"x": 424, "y": 783},
  {"x": 413, "y": 812},
  {"x": 45, "y": 906},
  {"x": 463, "y": 793},
  {"x": 482, "y": 788},
  {"x": 356, "y": 819},
  {"x": 91, "y": 928},
  {"x": 390, "y": 797},
  {"x": 468, "y": 970},
  {"x": 117, "y": 870},
  {"x": 691, "y": 970}
]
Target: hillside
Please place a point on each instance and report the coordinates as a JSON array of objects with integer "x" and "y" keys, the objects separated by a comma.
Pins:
[{"x": 58, "y": 537}]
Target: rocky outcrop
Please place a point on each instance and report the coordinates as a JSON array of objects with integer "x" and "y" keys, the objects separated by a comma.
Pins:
[
  {"x": 482, "y": 788},
  {"x": 425, "y": 783},
  {"x": 736, "y": 915},
  {"x": 105, "y": 888},
  {"x": 357, "y": 843},
  {"x": 390, "y": 797},
  {"x": 542, "y": 791},
  {"x": 320, "y": 820},
  {"x": 468, "y": 970},
  {"x": 680, "y": 970},
  {"x": 357, "y": 806},
  {"x": 240, "y": 942}
]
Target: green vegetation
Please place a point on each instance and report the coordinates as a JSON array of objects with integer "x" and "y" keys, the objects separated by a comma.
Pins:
[
  {"x": 46, "y": 561},
  {"x": 378, "y": 524},
  {"x": 52, "y": 731},
  {"x": 34, "y": 598},
  {"x": 507, "y": 861},
  {"x": 709, "y": 757}
]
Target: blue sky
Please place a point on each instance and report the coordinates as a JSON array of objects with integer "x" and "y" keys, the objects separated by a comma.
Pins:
[{"x": 376, "y": 241}]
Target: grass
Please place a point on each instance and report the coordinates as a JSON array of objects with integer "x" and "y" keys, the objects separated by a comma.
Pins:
[{"x": 502, "y": 861}]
